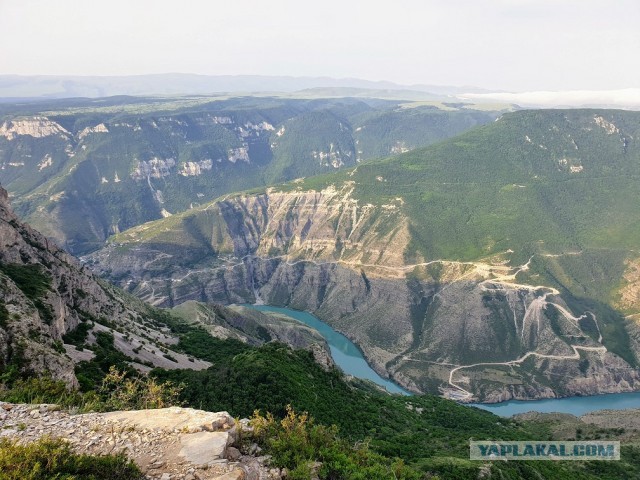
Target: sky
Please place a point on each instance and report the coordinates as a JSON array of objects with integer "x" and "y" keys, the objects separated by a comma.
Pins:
[{"x": 511, "y": 45}]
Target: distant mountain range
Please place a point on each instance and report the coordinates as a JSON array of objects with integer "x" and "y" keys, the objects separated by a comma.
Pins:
[
  {"x": 30, "y": 87},
  {"x": 57, "y": 86}
]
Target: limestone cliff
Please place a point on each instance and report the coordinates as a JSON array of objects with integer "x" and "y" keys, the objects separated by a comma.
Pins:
[
  {"x": 46, "y": 293},
  {"x": 478, "y": 329}
]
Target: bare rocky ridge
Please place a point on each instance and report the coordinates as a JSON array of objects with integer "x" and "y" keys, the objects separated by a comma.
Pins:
[
  {"x": 32, "y": 333},
  {"x": 255, "y": 328},
  {"x": 168, "y": 444}
]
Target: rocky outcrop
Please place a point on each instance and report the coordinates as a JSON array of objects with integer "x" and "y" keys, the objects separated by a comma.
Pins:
[
  {"x": 36, "y": 127},
  {"x": 255, "y": 328},
  {"x": 46, "y": 293},
  {"x": 168, "y": 444}
]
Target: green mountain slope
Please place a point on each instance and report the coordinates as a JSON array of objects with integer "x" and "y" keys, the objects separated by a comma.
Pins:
[
  {"x": 497, "y": 264},
  {"x": 81, "y": 170}
]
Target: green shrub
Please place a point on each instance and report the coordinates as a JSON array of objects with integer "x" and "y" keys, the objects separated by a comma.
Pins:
[
  {"x": 28, "y": 278},
  {"x": 4, "y": 315},
  {"x": 305, "y": 449},
  {"x": 120, "y": 392},
  {"x": 39, "y": 390},
  {"x": 78, "y": 335},
  {"x": 53, "y": 459}
]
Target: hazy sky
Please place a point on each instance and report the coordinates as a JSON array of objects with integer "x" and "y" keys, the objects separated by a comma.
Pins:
[{"x": 502, "y": 44}]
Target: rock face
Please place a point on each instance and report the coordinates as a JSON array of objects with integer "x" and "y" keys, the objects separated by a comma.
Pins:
[
  {"x": 169, "y": 443},
  {"x": 468, "y": 330},
  {"x": 46, "y": 293},
  {"x": 37, "y": 127}
]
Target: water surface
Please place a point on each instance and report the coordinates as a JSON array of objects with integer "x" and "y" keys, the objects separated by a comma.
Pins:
[
  {"x": 345, "y": 354},
  {"x": 573, "y": 405},
  {"x": 349, "y": 358}
]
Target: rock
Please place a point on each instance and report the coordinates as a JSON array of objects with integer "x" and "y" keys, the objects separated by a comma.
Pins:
[
  {"x": 254, "y": 449},
  {"x": 237, "y": 474},
  {"x": 233, "y": 435},
  {"x": 224, "y": 421},
  {"x": 165, "y": 476},
  {"x": 203, "y": 448},
  {"x": 233, "y": 454},
  {"x": 173, "y": 419}
]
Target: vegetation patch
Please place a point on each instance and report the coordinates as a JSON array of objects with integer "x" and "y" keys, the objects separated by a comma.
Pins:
[
  {"x": 31, "y": 279},
  {"x": 34, "y": 283},
  {"x": 48, "y": 458},
  {"x": 78, "y": 335},
  {"x": 305, "y": 449},
  {"x": 4, "y": 315}
]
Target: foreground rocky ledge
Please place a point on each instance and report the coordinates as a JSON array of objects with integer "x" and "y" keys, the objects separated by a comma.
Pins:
[{"x": 169, "y": 443}]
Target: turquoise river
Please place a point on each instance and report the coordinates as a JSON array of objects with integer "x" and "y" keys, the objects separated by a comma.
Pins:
[{"x": 349, "y": 358}]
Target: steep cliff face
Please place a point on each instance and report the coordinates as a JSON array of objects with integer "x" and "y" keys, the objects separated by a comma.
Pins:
[
  {"x": 475, "y": 329},
  {"x": 46, "y": 293},
  {"x": 38, "y": 301}
]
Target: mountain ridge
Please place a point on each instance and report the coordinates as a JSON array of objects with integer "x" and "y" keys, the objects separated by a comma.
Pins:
[
  {"x": 62, "y": 86},
  {"x": 124, "y": 161},
  {"x": 495, "y": 257}
]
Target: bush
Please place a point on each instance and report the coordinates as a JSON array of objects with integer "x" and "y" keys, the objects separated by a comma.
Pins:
[
  {"x": 117, "y": 392},
  {"x": 29, "y": 278},
  {"x": 52, "y": 458},
  {"x": 305, "y": 449},
  {"x": 4, "y": 315},
  {"x": 39, "y": 390},
  {"x": 121, "y": 393}
]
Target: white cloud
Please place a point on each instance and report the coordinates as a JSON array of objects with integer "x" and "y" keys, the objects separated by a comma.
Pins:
[{"x": 624, "y": 98}]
